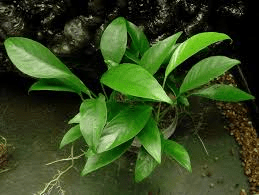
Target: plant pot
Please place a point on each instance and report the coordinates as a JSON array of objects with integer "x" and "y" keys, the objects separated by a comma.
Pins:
[{"x": 167, "y": 132}]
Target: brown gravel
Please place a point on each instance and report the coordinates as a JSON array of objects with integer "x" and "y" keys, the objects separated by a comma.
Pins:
[
  {"x": 3, "y": 155},
  {"x": 245, "y": 134}
]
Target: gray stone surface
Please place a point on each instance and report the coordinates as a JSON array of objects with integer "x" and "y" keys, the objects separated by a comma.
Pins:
[{"x": 35, "y": 124}]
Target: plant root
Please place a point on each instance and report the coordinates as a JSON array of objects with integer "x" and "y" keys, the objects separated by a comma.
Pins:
[{"x": 55, "y": 182}]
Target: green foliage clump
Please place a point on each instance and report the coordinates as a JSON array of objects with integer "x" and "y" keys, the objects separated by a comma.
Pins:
[{"x": 108, "y": 124}]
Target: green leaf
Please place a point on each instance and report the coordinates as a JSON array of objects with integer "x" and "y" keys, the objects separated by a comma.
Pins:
[
  {"x": 35, "y": 60},
  {"x": 97, "y": 161},
  {"x": 178, "y": 153},
  {"x": 206, "y": 70},
  {"x": 75, "y": 119},
  {"x": 110, "y": 63},
  {"x": 73, "y": 134},
  {"x": 191, "y": 46},
  {"x": 93, "y": 114},
  {"x": 114, "y": 108},
  {"x": 149, "y": 137},
  {"x": 145, "y": 165},
  {"x": 114, "y": 40},
  {"x": 222, "y": 92},
  {"x": 124, "y": 126},
  {"x": 131, "y": 57},
  {"x": 170, "y": 53},
  {"x": 51, "y": 85},
  {"x": 139, "y": 39},
  {"x": 134, "y": 80},
  {"x": 155, "y": 56}
]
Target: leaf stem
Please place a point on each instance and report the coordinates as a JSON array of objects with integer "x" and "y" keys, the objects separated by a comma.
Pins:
[
  {"x": 104, "y": 92},
  {"x": 81, "y": 96},
  {"x": 159, "y": 106}
]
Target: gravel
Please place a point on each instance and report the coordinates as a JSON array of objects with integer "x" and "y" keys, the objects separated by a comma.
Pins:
[{"x": 240, "y": 126}]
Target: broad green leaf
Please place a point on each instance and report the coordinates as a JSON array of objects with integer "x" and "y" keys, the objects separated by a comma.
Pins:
[
  {"x": 73, "y": 134},
  {"x": 93, "y": 116},
  {"x": 222, "y": 92},
  {"x": 155, "y": 56},
  {"x": 124, "y": 126},
  {"x": 51, "y": 85},
  {"x": 75, "y": 119},
  {"x": 114, "y": 108},
  {"x": 75, "y": 84},
  {"x": 206, "y": 70},
  {"x": 145, "y": 164},
  {"x": 139, "y": 39},
  {"x": 134, "y": 80},
  {"x": 35, "y": 60},
  {"x": 191, "y": 46},
  {"x": 114, "y": 40},
  {"x": 131, "y": 57},
  {"x": 177, "y": 152},
  {"x": 97, "y": 161},
  {"x": 170, "y": 53},
  {"x": 149, "y": 137}
]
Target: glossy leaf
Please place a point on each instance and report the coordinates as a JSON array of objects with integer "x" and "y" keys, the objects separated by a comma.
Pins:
[
  {"x": 178, "y": 153},
  {"x": 134, "y": 80},
  {"x": 51, "y": 85},
  {"x": 75, "y": 119},
  {"x": 93, "y": 116},
  {"x": 170, "y": 53},
  {"x": 124, "y": 126},
  {"x": 114, "y": 108},
  {"x": 114, "y": 40},
  {"x": 97, "y": 161},
  {"x": 149, "y": 137},
  {"x": 139, "y": 39},
  {"x": 145, "y": 164},
  {"x": 222, "y": 92},
  {"x": 35, "y": 60},
  {"x": 73, "y": 134},
  {"x": 191, "y": 46},
  {"x": 155, "y": 56},
  {"x": 131, "y": 57},
  {"x": 206, "y": 70}
]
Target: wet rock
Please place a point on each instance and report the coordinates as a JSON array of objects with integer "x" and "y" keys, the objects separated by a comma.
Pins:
[
  {"x": 199, "y": 23},
  {"x": 75, "y": 27},
  {"x": 11, "y": 22},
  {"x": 162, "y": 19},
  {"x": 233, "y": 8}
]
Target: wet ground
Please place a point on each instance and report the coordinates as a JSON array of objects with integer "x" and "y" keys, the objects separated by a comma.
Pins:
[{"x": 35, "y": 124}]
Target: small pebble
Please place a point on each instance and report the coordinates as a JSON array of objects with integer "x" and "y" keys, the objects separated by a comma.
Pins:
[{"x": 243, "y": 192}]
